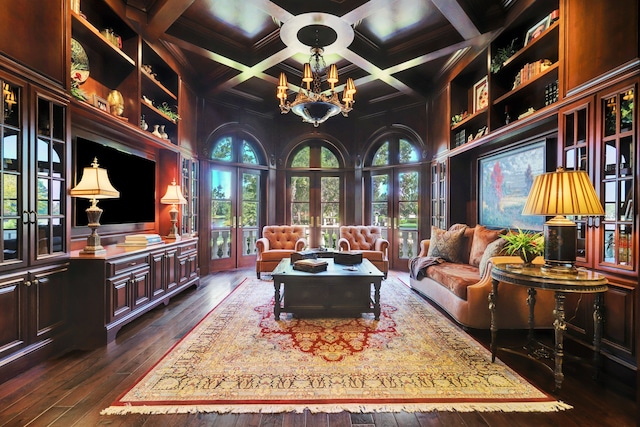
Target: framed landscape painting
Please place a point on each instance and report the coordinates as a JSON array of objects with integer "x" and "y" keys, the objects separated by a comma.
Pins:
[{"x": 504, "y": 183}]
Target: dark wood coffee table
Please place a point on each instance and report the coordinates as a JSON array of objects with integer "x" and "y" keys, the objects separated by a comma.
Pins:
[{"x": 340, "y": 290}]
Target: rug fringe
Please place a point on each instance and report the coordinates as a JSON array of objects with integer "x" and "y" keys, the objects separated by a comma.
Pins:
[{"x": 555, "y": 406}]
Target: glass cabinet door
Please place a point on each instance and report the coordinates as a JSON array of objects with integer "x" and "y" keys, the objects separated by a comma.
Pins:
[
  {"x": 47, "y": 214},
  {"x": 617, "y": 180},
  {"x": 11, "y": 174}
]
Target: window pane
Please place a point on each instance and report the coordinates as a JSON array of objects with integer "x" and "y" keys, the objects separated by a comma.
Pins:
[
  {"x": 381, "y": 157},
  {"x": 408, "y": 153},
  {"x": 301, "y": 159},
  {"x": 222, "y": 150},
  {"x": 248, "y": 154},
  {"x": 329, "y": 160}
]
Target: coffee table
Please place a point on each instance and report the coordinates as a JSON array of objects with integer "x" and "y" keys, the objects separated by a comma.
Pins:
[{"x": 340, "y": 290}]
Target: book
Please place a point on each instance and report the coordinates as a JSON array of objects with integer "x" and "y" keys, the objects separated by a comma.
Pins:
[
  {"x": 143, "y": 239},
  {"x": 310, "y": 265}
]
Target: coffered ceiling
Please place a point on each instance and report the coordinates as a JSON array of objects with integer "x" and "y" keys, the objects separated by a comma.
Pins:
[{"x": 395, "y": 50}]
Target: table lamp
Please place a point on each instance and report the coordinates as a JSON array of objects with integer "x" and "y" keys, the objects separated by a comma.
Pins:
[
  {"x": 562, "y": 193},
  {"x": 94, "y": 185},
  {"x": 173, "y": 197}
]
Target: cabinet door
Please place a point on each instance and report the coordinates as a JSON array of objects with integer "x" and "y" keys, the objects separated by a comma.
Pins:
[
  {"x": 48, "y": 301},
  {"x": 47, "y": 203},
  {"x": 171, "y": 276},
  {"x": 13, "y": 314},
  {"x": 141, "y": 287},
  {"x": 13, "y": 138},
  {"x": 158, "y": 268},
  {"x": 119, "y": 301}
]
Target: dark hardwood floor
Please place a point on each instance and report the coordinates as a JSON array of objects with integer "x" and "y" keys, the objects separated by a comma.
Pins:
[{"x": 72, "y": 389}]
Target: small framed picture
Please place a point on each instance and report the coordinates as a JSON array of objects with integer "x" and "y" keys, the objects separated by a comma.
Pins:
[
  {"x": 480, "y": 95},
  {"x": 101, "y": 103},
  {"x": 535, "y": 31}
]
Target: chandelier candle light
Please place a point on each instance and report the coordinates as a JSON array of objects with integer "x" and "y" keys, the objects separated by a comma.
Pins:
[
  {"x": 313, "y": 105},
  {"x": 173, "y": 197},
  {"x": 94, "y": 185},
  {"x": 562, "y": 193}
]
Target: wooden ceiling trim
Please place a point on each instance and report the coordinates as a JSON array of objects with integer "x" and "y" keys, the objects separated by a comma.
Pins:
[
  {"x": 458, "y": 18},
  {"x": 163, "y": 14}
]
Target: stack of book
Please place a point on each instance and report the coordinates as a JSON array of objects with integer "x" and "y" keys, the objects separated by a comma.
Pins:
[
  {"x": 142, "y": 239},
  {"x": 310, "y": 265}
]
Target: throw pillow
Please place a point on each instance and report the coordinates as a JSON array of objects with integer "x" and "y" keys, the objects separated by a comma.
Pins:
[
  {"x": 493, "y": 249},
  {"x": 481, "y": 239},
  {"x": 446, "y": 244}
]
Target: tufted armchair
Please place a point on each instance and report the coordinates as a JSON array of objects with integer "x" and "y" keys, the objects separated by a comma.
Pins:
[
  {"x": 368, "y": 240},
  {"x": 278, "y": 242}
]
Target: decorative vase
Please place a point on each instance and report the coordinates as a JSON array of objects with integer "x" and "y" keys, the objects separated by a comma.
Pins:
[
  {"x": 163, "y": 134},
  {"x": 143, "y": 123},
  {"x": 156, "y": 132},
  {"x": 527, "y": 257}
]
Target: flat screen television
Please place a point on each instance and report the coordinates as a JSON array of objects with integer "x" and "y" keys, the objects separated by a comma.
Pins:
[{"x": 132, "y": 175}]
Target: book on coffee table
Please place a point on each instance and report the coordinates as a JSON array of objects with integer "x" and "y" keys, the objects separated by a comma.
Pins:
[{"x": 310, "y": 265}]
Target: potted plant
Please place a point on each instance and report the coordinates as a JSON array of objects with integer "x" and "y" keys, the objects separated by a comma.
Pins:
[{"x": 526, "y": 245}]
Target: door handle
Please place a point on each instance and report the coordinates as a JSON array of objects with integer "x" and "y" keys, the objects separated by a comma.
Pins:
[
  {"x": 239, "y": 221},
  {"x": 318, "y": 221},
  {"x": 233, "y": 221},
  {"x": 311, "y": 221}
]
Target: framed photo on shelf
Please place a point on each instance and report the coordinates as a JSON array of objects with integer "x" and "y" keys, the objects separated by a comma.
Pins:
[
  {"x": 101, "y": 103},
  {"x": 480, "y": 95},
  {"x": 535, "y": 31}
]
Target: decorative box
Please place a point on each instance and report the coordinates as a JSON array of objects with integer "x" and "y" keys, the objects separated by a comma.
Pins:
[{"x": 347, "y": 258}]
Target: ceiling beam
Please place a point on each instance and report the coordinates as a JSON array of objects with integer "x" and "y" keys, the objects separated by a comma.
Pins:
[
  {"x": 163, "y": 14},
  {"x": 458, "y": 18}
]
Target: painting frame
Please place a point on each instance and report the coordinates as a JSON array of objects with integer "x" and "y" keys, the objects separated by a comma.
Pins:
[
  {"x": 504, "y": 181},
  {"x": 481, "y": 94},
  {"x": 537, "y": 29}
]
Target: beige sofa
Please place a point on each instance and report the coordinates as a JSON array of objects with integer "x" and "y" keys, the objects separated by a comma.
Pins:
[{"x": 461, "y": 290}]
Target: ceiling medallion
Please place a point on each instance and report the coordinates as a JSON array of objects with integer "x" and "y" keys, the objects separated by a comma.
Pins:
[{"x": 318, "y": 32}]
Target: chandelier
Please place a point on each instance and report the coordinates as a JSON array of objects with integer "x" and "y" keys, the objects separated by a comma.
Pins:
[{"x": 312, "y": 104}]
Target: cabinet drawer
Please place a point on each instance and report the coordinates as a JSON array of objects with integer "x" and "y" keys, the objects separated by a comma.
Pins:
[
  {"x": 126, "y": 264},
  {"x": 188, "y": 248}
]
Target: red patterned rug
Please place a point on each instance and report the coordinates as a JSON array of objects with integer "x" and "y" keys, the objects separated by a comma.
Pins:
[{"x": 239, "y": 359}]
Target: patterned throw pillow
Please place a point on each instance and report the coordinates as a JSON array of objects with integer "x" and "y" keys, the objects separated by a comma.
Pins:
[
  {"x": 446, "y": 244},
  {"x": 493, "y": 249},
  {"x": 481, "y": 239}
]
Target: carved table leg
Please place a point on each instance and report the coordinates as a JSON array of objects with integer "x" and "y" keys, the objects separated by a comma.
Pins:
[
  {"x": 376, "y": 300},
  {"x": 597, "y": 334},
  {"x": 493, "y": 295},
  {"x": 560, "y": 326},
  {"x": 276, "y": 305},
  {"x": 531, "y": 302}
]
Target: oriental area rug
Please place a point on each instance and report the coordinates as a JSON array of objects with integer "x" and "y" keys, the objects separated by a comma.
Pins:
[{"x": 240, "y": 359}]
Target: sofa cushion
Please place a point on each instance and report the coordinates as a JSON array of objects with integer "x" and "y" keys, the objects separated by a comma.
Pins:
[
  {"x": 446, "y": 244},
  {"x": 493, "y": 249},
  {"x": 454, "y": 276},
  {"x": 467, "y": 238},
  {"x": 482, "y": 236}
]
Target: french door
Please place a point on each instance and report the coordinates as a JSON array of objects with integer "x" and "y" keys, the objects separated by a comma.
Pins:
[
  {"x": 395, "y": 202},
  {"x": 315, "y": 202},
  {"x": 235, "y": 217}
]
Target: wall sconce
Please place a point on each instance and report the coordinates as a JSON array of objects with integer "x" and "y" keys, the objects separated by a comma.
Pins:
[
  {"x": 173, "y": 197},
  {"x": 94, "y": 185},
  {"x": 562, "y": 193}
]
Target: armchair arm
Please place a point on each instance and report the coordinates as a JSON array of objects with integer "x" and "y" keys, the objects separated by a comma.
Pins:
[
  {"x": 381, "y": 245},
  {"x": 424, "y": 247},
  {"x": 262, "y": 244},
  {"x": 343, "y": 244},
  {"x": 301, "y": 243}
]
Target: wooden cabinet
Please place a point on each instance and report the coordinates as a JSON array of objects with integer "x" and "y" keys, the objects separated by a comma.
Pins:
[
  {"x": 119, "y": 59},
  {"x": 439, "y": 194},
  {"x": 190, "y": 191},
  {"x": 110, "y": 291},
  {"x": 598, "y": 134},
  {"x": 33, "y": 261}
]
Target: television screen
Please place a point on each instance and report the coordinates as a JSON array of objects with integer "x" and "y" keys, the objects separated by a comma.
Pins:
[{"x": 133, "y": 176}]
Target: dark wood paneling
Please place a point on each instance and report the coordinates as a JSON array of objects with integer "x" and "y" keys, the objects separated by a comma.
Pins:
[{"x": 600, "y": 36}]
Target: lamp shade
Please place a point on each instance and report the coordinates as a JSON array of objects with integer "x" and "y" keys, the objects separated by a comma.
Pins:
[
  {"x": 563, "y": 193},
  {"x": 173, "y": 196},
  {"x": 94, "y": 184}
]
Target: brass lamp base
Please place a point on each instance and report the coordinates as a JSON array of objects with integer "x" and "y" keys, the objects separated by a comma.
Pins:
[{"x": 93, "y": 241}]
